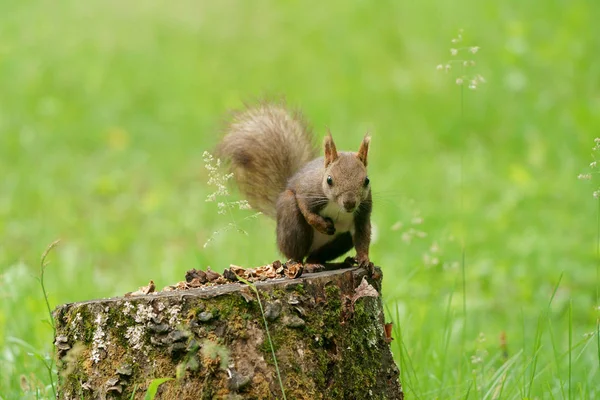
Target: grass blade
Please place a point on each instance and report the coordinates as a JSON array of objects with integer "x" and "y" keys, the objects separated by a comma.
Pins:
[
  {"x": 153, "y": 387},
  {"x": 132, "y": 397},
  {"x": 570, "y": 348},
  {"x": 262, "y": 312}
]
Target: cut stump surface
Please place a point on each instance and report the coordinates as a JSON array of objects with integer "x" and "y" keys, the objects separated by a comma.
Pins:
[{"x": 326, "y": 329}]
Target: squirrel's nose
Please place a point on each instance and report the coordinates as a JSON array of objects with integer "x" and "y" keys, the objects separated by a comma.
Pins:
[{"x": 350, "y": 205}]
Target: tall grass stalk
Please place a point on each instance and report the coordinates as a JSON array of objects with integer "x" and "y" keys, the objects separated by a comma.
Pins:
[
  {"x": 598, "y": 256},
  {"x": 538, "y": 337},
  {"x": 598, "y": 282},
  {"x": 473, "y": 81},
  {"x": 262, "y": 312},
  {"x": 463, "y": 265},
  {"x": 408, "y": 375},
  {"x": 447, "y": 337},
  {"x": 557, "y": 356},
  {"x": 462, "y": 208},
  {"x": 520, "y": 376},
  {"x": 43, "y": 264},
  {"x": 498, "y": 380},
  {"x": 570, "y": 348},
  {"x": 598, "y": 340},
  {"x": 49, "y": 364}
]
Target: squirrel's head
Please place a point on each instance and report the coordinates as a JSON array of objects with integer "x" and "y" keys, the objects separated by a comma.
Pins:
[{"x": 345, "y": 181}]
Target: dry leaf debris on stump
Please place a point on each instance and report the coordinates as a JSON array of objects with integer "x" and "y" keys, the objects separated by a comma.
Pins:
[
  {"x": 148, "y": 289},
  {"x": 365, "y": 289},
  {"x": 195, "y": 278}
]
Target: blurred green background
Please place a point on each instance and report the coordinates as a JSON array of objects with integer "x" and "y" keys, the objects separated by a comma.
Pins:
[{"x": 106, "y": 108}]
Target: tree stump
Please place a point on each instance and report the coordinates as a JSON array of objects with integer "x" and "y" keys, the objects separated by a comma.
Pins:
[{"x": 326, "y": 330}]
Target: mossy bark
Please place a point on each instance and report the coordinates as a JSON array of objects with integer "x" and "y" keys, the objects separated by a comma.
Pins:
[{"x": 214, "y": 343}]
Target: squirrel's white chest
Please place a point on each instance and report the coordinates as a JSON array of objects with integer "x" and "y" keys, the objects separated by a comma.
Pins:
[{"x": 343, "y": 221}]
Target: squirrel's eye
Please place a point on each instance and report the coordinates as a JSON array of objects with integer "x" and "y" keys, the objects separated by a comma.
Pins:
[
  {"x": 367, "y": 181},
  {"x": 329, "y": 180}
]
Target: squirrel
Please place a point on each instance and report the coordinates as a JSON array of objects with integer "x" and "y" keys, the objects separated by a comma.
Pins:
[{"x": 322, "y": 205}]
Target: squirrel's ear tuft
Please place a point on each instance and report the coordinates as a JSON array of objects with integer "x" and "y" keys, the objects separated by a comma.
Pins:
[
  {"x": 330, "y": 151},
  {"x": 364, "y": 149}
]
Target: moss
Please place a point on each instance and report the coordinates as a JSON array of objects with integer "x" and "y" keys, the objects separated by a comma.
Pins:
[
  {"x": 300, "y": 289},
  {"x": 247, "y": 316},
  {"x": 87, "y": 333},
  {"x": 232, "y": 304},
  {"x": 195, "y": 311},
  {"x": 326, "y": 322},
  {"x": 119, "y": 322},
  {"x": 333, "y": 297},
  {"x": 274, "y": 293},
  {"x": 74, "y": 363},
  {"x": 279, "y": 336},
  {"x": 365, "y": 362}
]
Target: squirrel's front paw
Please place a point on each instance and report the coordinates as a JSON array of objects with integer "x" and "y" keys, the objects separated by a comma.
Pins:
[
  {"x": 330, "y": 226},
  {"x": 327, "y": 228},
  {"x": 363, "y": 261}
]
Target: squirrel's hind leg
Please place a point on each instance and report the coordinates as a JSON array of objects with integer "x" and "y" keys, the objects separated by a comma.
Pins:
[
  {"x": 331, "y": 250},
  {"x": 294, "y": 234}
]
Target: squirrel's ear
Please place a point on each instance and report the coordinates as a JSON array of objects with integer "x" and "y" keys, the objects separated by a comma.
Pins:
[
  {"x": 364, "y": 150},
  {"x": 330, "y": 151}
]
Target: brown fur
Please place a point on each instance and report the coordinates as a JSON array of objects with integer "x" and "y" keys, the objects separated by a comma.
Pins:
[{"x": 265, "y": 146}]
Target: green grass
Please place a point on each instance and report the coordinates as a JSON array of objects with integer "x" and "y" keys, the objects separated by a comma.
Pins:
[{"x": 106, "y": 109}]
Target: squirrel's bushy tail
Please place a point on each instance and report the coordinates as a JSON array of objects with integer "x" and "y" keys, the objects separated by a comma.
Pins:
[{"x": 265, "y": 145}]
